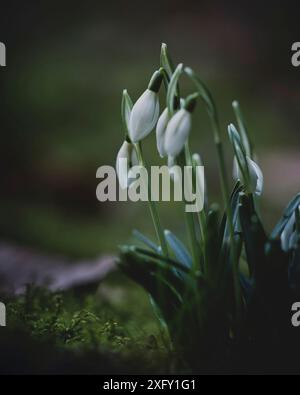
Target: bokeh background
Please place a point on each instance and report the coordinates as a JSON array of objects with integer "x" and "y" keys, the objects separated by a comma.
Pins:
[{"x": 67, "y": 64}]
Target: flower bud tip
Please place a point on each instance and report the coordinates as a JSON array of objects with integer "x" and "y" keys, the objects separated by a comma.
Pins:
[
  {"x": 156, "y": 81},
  {"x": 190, "y": 102}
]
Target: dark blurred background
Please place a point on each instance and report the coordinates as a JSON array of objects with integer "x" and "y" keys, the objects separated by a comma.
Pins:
[{"x": 67, "y": 63}]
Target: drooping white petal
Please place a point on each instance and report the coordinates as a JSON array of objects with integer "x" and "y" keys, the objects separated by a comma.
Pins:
[
  {"x": 144, "y": 115},
  {"x": 255, "y": 173},
  {"x": 177, "y": 132},
  {"x": 256, "y": 177},
  {"x": 126, "y": 159},
  {"x": 161, "y": 128}
]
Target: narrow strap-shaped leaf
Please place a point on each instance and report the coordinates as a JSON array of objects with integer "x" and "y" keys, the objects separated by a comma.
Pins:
[
  {"x": 212, "y": 243},
  {"x": 157, "y": 312},
  {"x": 254, "y": 236},
  {"x": 234, "y": 202},
  {"x": 242, "y": 127},
  {"x": 166, "y": 61},
  {"x": 143, "y": 273},
  {"x": 172, "y": 89},
  {"x": 240, "y": 154},
  {"x": 288, "y": 212},
  {"x": 297, "y": 216},
  {"x": 294, "y": 268},
  {"x": 159, "y": 280},
  {"x": 145, "y": 240},
  {"x": 126, "y": 107},
  {"x": 203, "y": 92},
  {"x": 161, "y": 260},
  {"x": 247, "y": 286},
  {"x": 179, "y": 249}
]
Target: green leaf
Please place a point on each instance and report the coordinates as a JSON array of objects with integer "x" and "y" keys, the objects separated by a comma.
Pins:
[
  {"x": 247, "y": 286},
  {"x": 240, "y": 154},
  {"x": 234, "y": 202},
  {"x": 297, "y": 216},
  {"x": 166, "y": 61},
  {"x": 225, "y": 237},
  {"x": 203, "y": 92},
  {"x": 288, "y": 212},
  {"x": 179, "y": 249},
  {"x": 145, "y": 240},
  {"x": 161, "y": 260},
  {"x": 242, "y": 127},
  {"x": 294, "y": 268},
  {"x": 254, "y": 237},
  {"x": 126, "y": 107},
  {"x": 212, "y": 243},
  {"x": 158, "y": 313},
  {"x": 157, "y": 279},
  {"x": 173, "y": 89}
]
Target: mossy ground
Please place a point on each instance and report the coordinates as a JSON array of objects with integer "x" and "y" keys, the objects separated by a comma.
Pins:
[{"x": 106, "y": 329}]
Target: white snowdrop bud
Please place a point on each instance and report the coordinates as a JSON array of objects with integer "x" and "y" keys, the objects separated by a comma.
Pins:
[
  {"x": 256, "y": 177},
  {"x": 179, "y": 127},
  {"x": 161, "y": 128},
  {"x": 145, "y": 112},
  {"x": 255, "y": 174},
  {"x": 126, "y": 159},
  {"x": 177, "y": 132}
]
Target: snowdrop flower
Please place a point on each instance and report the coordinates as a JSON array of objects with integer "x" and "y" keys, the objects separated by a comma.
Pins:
[
  {"x": 179, "y": 127},
  {"x": 126, "y": 159},
  {"x": 126, "y": 107},
  {"x": 145, "y": 112},
  {"x": 255, "y": 175},
  {"x": 177, "y": 132},
  {"x": 161, "y": 128}
]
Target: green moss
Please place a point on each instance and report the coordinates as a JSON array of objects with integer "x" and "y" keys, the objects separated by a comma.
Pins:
[{"x": 114, "y": 321}]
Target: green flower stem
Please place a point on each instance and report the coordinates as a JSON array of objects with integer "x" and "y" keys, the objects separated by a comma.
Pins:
[
  {"x": 189, "y": 217},
  {"x": 212, "y": 111},
  {"x": 201, "y": 215},
  {"x": 202, "y": 223},
  {"x": 297, "y": 215},
  {"x": 225, "y": 194},
  {"x": 242, "y": 128},
  {"x": 193, "y": 240},
  {"x": 153, "y": 209}
]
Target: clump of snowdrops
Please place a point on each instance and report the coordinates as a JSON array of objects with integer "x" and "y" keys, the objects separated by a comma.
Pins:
[{"x": 225, "y": 298}]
